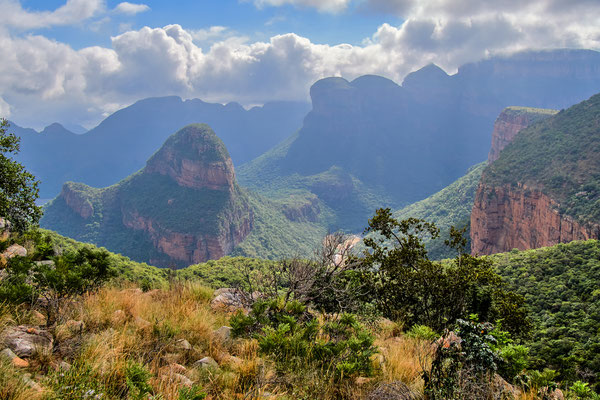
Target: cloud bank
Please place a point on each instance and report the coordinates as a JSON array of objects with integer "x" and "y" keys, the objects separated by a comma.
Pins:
[{"x": 42, "y": 79}]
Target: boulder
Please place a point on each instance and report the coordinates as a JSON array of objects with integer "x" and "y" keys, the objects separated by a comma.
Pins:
[
  {"x": 206, "y": 362},
  {"x": 227, "y": 300},
  {"x": 9, "y": 355},
  {"x": 26, "y": 340},
  {"x": 183, "y": 380},
  {"x": 14, "y": 251},
  {"x": 183, "y": 344},
  {"x": 223, "y": 334},
  {"x": 75, "y": 326},
  {"x": 37, "y": 318},
  {"x": 141, "y": 323}
]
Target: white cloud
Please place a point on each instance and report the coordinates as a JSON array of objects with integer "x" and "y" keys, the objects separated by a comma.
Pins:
[
  {"x": 213, "y": 32},
  {"x": 131, "y": 8},
  {"x": 4, "y": 109},
  {"x": 332, "y": 6},
  {"x": 45, "y": 80},
  {"x": 74, "y": 11}
]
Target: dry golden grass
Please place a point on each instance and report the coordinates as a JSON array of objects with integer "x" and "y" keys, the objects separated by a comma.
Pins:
[{"x": 125, "y": 326}]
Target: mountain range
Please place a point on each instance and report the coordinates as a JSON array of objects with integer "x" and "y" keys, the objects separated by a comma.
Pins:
[{"x": 121, "y": 144}]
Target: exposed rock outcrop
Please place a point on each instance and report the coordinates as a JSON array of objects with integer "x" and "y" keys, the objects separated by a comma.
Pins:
[
  {"x": 510, "y": 122},
  {"x": 185, "y": 206},
  {"x": 77, "y": 200},
  {"x": 505, "y": 218}
]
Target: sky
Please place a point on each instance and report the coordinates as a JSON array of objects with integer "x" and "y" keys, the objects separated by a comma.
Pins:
[{"x": 77, "y": 61}]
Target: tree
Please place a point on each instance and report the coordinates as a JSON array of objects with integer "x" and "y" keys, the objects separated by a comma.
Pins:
[
  {"x": 18, "y": 188},
  {"x": 406, "y": 285}
]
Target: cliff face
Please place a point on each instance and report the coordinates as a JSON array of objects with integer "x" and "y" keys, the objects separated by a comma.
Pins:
[
  {"x": 198, "y": 164},
  {"x": 510, "y": 122},
  {"x": 183, "y": 208},
  {"x": 504, "y": 218},
  {"x": 77, "y": 201}
]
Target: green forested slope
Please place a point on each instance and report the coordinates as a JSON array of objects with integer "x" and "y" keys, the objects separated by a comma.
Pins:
[{"x": 561, "y": 285}]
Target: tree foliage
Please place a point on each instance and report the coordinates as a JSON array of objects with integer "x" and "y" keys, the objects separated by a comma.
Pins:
[
  {"x": 18, "y": 188},
  {"x": 407, "y": 286}
]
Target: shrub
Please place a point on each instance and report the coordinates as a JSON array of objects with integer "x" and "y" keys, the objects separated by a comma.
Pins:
[
  {"x": 293, "y": 337},
  {"x": 422, "y": 332}
]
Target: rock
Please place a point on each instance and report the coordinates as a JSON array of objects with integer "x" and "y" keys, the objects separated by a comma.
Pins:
[
  {"x": 9, "y": 355},
  {"x": 25, "y": 340},
  {"x": 223, "y": 334},
  {"x": 45, "y": 262},
  {"x": 503, "y": 389},
  {"x": 396, "y": 390},
  {"x": 361, "y": 381},
  {"x": 183, "y": 380},
  {"x": 506, "y": 217},
  {"x": 183, "y": 344},
  {"x": 75, "y": 196},
  {"x": 450, "y": 340},
  {"x": 4, "y": 229},
  {"x": 15, "y": 250},
  {"x": 37, "y": 318},
  {"x": 510, "y": 122},
  {"x": 31, "y": 383},
  {"x": 206, "y": 362},
  {"x": 227, "y": 300},
  {"x": 233, "y": 361},
  {"x": 173, "y": 368},
  {"x": 75, "y": 326},
  {"x": 141, "y": 323},
  {"x": 64, "y": 366}
]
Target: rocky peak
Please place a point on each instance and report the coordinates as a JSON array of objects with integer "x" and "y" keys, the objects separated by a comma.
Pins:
[
  {"x": 510, "y": 122},
  {"x": 195, "y": 158},
  {"x": 77, "y": 198}
]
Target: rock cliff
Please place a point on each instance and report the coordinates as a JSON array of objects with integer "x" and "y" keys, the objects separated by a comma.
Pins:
[
  {"x": 505, "y": 218},
  {"x": 184, "y": 207},
  {"x": 544, "y": 187}
]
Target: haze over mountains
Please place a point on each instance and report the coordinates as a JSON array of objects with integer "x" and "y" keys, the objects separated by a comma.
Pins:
[
  {"x": 121, "y": 144},
  {"x": 365, "y": 144}
]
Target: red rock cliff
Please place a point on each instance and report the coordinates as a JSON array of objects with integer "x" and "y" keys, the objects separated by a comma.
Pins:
[
  {"x": 510, "y": 122},
  {"x": 196, "y": 159},
  {"x": 505, "y": 218}
]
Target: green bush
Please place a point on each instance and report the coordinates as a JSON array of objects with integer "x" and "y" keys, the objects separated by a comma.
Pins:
[
  {"x": 422, "y": 332},
  {"x": 192, "y": 393},
  {"x": 137, "y": 377},
  {"x": 294, "y": 339}
]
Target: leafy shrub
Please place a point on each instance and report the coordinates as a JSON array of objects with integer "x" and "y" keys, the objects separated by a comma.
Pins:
[
  {"x": 422, "y": 332},
  {"x": 137, "y": 377},
  {"x": 582, "y": 391},
  {"x": 293, "y": 337},
  {"x": 463, "y": 365}
]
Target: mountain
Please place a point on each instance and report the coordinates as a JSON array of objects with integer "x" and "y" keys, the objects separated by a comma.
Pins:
[
  {"x": 184, "y": 207},
  {"x": 370, "y": 142},
  {"x": 544, "y": 188},
  {"x": 450, "y": 206},
  {"x": 121, "y": 143}
]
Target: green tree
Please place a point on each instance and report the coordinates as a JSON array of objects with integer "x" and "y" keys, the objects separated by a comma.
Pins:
[
  {"x": 18, "y": 188},
  {"x": 406, "y": 285}
]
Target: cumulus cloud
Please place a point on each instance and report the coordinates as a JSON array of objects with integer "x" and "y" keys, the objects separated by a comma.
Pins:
[
  {"x": 73, "y": 11},
  {"x": 332, "y": 6},
  {"x": 4, "y": 108},
  {"x": 47, "y": 80},
  {"x": 130, "y": 8}
]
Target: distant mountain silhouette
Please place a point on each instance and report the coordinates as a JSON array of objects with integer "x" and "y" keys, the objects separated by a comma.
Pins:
[
  {"x": 122, "y": 143},
  {"x": 396, "y": 144}
]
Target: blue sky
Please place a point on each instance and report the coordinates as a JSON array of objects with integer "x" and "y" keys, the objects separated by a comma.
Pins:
[
  {"x": 244, "y": 18},
  {"x": 77, "y": 61}
]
